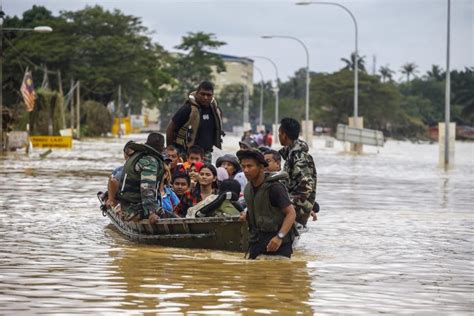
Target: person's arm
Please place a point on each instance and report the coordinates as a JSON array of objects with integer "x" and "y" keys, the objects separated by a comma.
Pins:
[
  {"x": 179, "y": 119},
  {"x": 304, "y": 179},
  {"x": 112, "y": 189},
  {"x": 290, "y": 216}
]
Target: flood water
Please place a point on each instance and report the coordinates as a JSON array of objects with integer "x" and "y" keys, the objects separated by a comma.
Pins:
[{"x": 395, "y": 235}]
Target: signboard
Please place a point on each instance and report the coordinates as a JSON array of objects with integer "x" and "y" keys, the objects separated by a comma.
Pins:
[
  {"x": 51, "y": 141},
  {"x": 359, "y": 135}
]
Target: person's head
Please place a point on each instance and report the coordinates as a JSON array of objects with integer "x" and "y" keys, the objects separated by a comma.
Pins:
[
  {"x": 208, "y": 176},
  {"x": 229, "y": 163},
  {"x": 194, "y": 170},
  {"x": 230, "y": 185},
  {"x": 273, "y": 159},
  {"x": 253, "y": 163},
  {"x": 289, "y": 131},
  {"x": 172, "y": 154},
  {"x": 195, "y": 154},
  {"x": 268, "y": 132},
  {"x": 181, "y": 183},
  {"x": 127, "y": 151},
  {"x": 248, "y": 144},
  {"x": 205, "y": 93},
  {"x": 156, "y": 141},
  {"x": 222, "y": 174}
]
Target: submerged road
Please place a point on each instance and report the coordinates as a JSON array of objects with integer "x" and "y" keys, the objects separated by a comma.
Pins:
[{"x": 395, "y": 235}]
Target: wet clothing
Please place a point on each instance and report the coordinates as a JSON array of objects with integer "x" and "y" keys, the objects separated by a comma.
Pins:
[
  {"x": 265, "y": 216},
  {"x": 198, "y": 125},
  {"x": 301, "y": 184},
  {"x": 259, "y": 247}
]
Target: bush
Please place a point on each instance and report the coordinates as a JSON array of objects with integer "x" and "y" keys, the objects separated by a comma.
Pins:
[{"x": 95, "y": 119}]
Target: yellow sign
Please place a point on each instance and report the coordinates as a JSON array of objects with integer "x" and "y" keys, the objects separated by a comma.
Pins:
[
  {"x": 51, "y": 141},
  {"x": 124, "y": 127}
]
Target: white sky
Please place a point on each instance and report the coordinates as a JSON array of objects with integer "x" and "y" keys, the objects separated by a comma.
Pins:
[{"x": 395, "y": 31}]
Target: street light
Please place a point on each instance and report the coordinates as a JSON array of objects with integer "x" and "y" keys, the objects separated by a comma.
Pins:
[
  {"x": 356, "y": 57},
  {"x": 307, "y": 66},
  {"x": 260, "y": 120},
  {"x": 276, "y": 90},
  {"x": 38, "y": 29},
  {"x": 307, "y": 136}
]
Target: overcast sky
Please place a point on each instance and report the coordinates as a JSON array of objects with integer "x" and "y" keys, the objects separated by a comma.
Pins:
[{"x": 394, "y": 31}]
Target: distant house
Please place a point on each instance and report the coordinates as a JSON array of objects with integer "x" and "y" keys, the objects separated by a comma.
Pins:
[{"x": 239, "y": 70}]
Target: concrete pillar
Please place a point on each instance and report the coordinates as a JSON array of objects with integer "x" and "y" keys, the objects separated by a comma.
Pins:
[
  {"x": 441, "y": 140},
  {"x": 247, "y": 126},
  {"x": 307, "y": 131},
  {"x": 276, "y": 141},
  {"x": 357, "y": 122}
]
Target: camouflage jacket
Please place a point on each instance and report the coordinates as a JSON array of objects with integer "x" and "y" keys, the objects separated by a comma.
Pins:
[
  {"x": 147, "y": 167},
  {"x": 301, "y": 183}
]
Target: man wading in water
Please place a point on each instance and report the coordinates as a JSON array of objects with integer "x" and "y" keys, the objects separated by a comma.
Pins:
[{"x": 270, "y": 214}]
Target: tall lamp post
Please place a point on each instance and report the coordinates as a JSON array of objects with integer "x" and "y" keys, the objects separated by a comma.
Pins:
[
  {"x": 276, "y": 90},
  {"x": 356, "y": 57},
  {"x": 38, "y": 29},
  {"x": 447, "y": 98},
  {"x": 306, "y": 132},
  {"x": 260, "y": 119}
]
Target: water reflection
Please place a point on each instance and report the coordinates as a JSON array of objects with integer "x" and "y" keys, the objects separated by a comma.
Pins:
[
  {"x": 395, "y": 235},
  {"x": 175, "y": 280}
]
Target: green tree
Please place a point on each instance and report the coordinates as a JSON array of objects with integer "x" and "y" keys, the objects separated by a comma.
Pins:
[
  {"x": 409, "y": 69},
  {"x": 350, "y": 63},
  {"x": 436, "y": 73},
  {"x": 386, "y": 73},
  {"x": 190, "y": 68}
]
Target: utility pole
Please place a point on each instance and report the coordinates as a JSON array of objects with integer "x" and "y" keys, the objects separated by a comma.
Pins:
[
  {"x": 71, "y": 93},
  {"x": 78, "y": 109},
  {"x": 119, "y": 108},
  {"x": 61, "y": 92}
]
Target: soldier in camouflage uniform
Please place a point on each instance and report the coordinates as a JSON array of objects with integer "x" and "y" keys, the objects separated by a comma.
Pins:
[
  {"x": 141, "y": 178},
  {"x": 301, "y": 170}
]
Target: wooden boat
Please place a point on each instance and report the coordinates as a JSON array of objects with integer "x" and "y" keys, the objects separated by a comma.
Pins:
[{"x": 216, "y": 233}]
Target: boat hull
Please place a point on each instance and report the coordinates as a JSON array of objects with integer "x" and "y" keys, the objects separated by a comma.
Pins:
[{"x": 216, "y": 233}]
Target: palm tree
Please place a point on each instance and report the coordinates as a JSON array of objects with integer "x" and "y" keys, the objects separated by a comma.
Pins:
[
  {"x": 350, "y": 63},
  {"x": 386, "y": 73},
  {"x": 436, "y": 73},
  {"x": 409, "y": 69}
]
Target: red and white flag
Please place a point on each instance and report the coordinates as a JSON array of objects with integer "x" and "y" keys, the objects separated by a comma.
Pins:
[{"x": 28, "y": 91}]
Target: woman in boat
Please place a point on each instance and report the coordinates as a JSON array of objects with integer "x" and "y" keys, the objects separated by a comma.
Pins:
[
  {"x": 193, "y": 172},
  {"x": 207, "y": 183}
]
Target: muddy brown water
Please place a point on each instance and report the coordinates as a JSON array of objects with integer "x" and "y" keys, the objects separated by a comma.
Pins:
[{"x": 395, "y": 235}]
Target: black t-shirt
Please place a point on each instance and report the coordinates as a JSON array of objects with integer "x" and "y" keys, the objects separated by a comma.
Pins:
[
  {"x": 207, "y": 125},
  {"x": 278, "y": 195}
]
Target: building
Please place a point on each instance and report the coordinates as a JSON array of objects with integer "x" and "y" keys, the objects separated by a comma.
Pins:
[{"x": 239, "y": 70}]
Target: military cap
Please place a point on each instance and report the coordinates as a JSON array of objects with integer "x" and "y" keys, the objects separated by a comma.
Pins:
[{"x": 254, "y": 154}]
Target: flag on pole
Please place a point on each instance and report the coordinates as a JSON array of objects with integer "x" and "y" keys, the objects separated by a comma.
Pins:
[{"x": 28, "y": 91}]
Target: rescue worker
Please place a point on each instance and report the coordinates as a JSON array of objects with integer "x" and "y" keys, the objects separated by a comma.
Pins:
[
  {"x": 113, "y": 184},
  {"x": 270, "y": 214},
  {"x": 197, "y": 122},
  {"x": 141, "y": 178},
  {"x": 299, "y": 165}
]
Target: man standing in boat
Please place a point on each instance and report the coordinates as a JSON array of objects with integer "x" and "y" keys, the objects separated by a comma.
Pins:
[
  {"x": 270, "y": 214},
  {"x": 299, "y": 165},
  {"x": 141, "y": 178},
  {"x": 197, "y": 122}
]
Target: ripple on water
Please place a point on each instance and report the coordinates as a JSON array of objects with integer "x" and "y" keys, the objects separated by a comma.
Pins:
[{"x": 394, "y": 236}]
